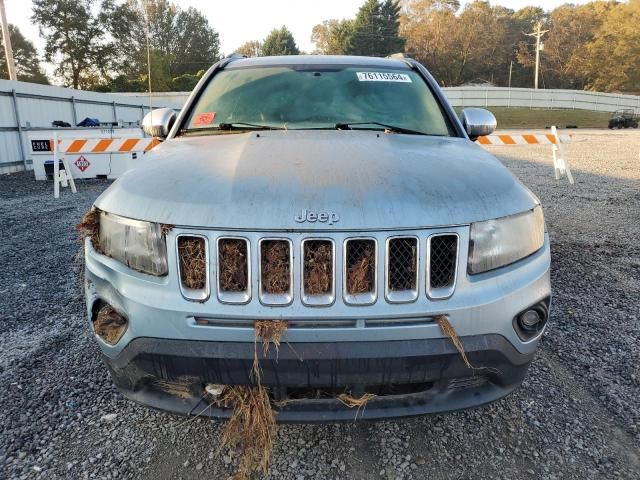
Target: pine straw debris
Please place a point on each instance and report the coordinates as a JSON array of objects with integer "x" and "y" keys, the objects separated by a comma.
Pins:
[
  {"x": 351, "y": 402},
  {"x": 276, "y": 266},
  {"x": 109, "y": 325},
  {"x": 232, "y": 265},
  {"x": 252, "y": 427},
  {"x": 89, "y": 227},
  {"x": 450, "y": 332},
  {"x": 193, "y": 263},
  {"x": 270, "y": 333},
  {"x": 318, "y": 267},
  {"x": 360, "y": 273}
]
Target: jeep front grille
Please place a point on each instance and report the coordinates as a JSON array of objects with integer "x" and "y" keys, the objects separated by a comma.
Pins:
[
  {"x": 402, "y": 269},
  {"x": 326, "y": 270},
  {"x": 234, "y": 274},
  {"x": 441, "y": 265},
  {"x": 276, "y": 283},
  {"x": 318, "y": 272},
  {"x": 360, "y": 278}
]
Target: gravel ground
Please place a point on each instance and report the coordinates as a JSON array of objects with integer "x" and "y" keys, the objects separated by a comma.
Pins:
[{"x": 576, "y": 416}]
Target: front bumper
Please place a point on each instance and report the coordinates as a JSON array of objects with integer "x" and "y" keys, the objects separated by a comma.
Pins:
[
  {"x": 411, "y": 377},
  {"x": 394, "y": 351}
]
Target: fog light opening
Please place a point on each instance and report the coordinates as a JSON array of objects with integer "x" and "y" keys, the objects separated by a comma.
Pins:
[
  {"x": 531, "y": 321},
  {"x": 109, "y": 325}
]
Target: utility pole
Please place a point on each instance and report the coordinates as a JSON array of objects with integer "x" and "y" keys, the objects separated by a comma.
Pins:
[
  {"x": 538, "y": 34},
  {"x": 8, "y": 51}
]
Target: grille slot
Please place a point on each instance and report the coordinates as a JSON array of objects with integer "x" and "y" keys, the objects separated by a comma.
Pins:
[
  {"x": 234, "y": 273},
  {"x": 275, "y": 271},
  {"x": 402, "y": 269},
  {"x": 441, "y": 265},
  {"x": 360, "y": 271},
  {"x": 318, "y": 272},
  {"x": 193, "y": 263}
]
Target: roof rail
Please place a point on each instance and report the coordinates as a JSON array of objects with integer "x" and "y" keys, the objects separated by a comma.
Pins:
[{"x": 235, "y": 56}]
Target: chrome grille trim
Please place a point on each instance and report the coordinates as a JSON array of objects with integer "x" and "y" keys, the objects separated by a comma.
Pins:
[
  {"x": 402, "y": 295},
  {"x": 239, "y": 297},
  {"x": 279, "y": 299},
  {"x": 365, "y": 298},
  {"x": 441, "y": 292},
  {"x": 324, "y": 299},
  {"x": 194, "y": 294}
]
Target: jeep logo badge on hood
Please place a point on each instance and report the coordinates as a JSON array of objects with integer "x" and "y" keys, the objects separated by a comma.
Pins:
[{"x": 313, "y": 217}]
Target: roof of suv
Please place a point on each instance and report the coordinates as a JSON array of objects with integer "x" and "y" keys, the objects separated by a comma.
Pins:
[{"x": 318, "y": 60}]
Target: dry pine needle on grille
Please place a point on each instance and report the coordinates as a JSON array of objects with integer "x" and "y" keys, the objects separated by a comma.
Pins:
[
  {"x": 360, "y": 274},
  {"x": 275, "y": 266},
  {"x": 193, "y": 264},
  {"x": 318, "y": 265},
  {"x": 232, "y": 265}
]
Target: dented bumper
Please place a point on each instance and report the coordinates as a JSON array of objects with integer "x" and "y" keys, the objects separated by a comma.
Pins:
[{"x": 411, "y": 377}]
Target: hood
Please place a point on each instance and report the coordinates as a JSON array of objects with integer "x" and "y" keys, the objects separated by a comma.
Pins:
[{"x": 361, "y": 180}]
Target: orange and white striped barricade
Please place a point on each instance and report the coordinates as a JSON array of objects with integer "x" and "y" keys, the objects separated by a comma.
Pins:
[
  {"x": 111, "y": 157},
  {"x": 560, "y": 163}
]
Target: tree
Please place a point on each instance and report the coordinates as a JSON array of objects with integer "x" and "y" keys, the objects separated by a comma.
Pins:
[
  {"x": 427, "y": 26},
  {"x": 26, "y": 59},
  {"x": 332, "y": 37},
  {"x": 280, "y": 42},
  {"x": 376, "y": 29},
  {"x": 73, "y": 38},
  {"x": 252, "y": 48},
  {"x": 183, "y": 38},
  {"x": 609, "y": 61}
]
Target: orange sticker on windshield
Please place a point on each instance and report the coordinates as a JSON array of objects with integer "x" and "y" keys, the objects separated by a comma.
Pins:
[{"x": 205, "y": 118}]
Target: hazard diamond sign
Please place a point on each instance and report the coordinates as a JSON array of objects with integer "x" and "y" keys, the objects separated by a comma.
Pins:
[{"x": 82, "y": 163}]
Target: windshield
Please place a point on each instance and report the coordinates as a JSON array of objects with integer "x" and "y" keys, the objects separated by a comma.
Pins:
[{"x": 316, "y": 97}]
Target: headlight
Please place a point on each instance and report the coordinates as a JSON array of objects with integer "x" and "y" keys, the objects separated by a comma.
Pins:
[
  {"x": 139, "y": 245},
  {"x": 499, "y": 242}
]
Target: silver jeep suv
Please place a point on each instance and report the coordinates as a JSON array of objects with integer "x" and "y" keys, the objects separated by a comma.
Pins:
[{"x": 344, "y": 196}]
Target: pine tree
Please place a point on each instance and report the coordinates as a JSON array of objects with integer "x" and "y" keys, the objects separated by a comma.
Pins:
[
  {"x": 376, "y": 29},
  {"x": 280, "y": 42}
]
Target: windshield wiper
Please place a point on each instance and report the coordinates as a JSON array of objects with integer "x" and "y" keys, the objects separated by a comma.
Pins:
[
  {"x": 390, "y": 128},
  {"x": 233, "y": 126}
]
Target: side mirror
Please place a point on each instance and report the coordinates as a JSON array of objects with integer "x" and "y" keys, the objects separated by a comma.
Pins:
[
  {"x": 157, "y": 123},
  {"x": 478, "y": 122}
]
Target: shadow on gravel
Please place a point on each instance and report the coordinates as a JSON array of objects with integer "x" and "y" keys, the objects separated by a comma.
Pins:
[{"x": 576, "y": 416}]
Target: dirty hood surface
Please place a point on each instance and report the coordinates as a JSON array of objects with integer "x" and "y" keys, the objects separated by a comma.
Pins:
[{"x": 369, "y": 180}]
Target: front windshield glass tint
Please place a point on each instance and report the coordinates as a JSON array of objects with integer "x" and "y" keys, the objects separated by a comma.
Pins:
[{"x": 298, "y": 99}]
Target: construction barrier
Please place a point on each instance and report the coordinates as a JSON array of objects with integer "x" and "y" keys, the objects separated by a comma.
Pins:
[
  {"x": 89, "y": 154},
  {"x": 560, "y": 163},
  {"x": 523, "y": 139}
]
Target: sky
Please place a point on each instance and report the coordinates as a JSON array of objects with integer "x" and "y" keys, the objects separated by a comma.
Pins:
[{"x": 238, "y": 21}]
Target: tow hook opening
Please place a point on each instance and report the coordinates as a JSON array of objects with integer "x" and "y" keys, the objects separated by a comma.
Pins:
[
  {"x": 108, "y": 324},
  {"x": 531, "y": 321}
]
